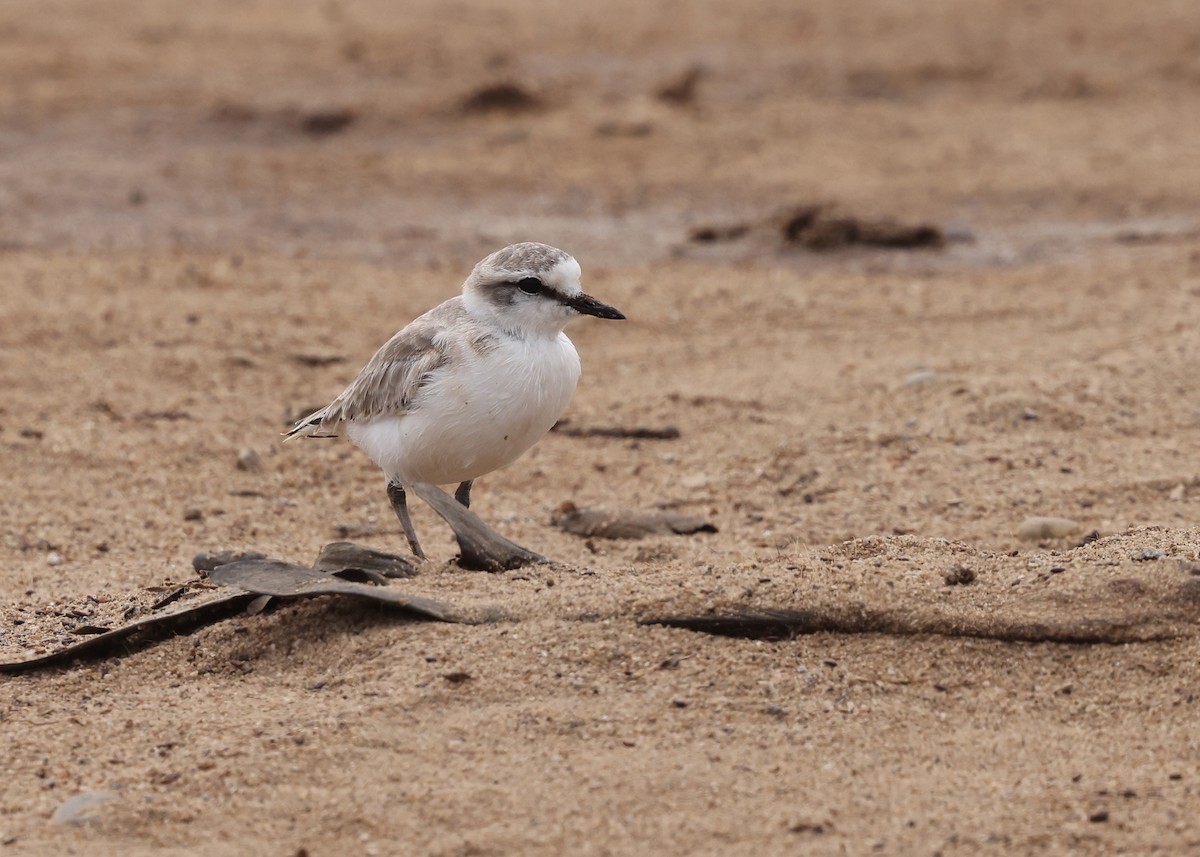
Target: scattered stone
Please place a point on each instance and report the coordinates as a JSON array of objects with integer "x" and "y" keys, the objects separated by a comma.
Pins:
[
  {"x": 921, "y": 376},
  {"x": 712, "y": 234},
  {"x": 775, "y": 710},
  {"x": 682, "y": 90},
  {"x": 504, "y": 97},
  {"x": 249, "y": 460},
  {"x": 322, "y": 123},
  {"x": 54, "y": 558},
  {"x": 79, "y": 809},
  {"x": 457, "y": 677},
  {"x": 1098, "y": 817},
  {"x": 806, "y": 827},
  {"x": 1148, "y": 555},
  {"x": 624, "y": 524},
  {"x": 814, "y": 228},
  {"x": 1178, "y": 492},
  {"x": 960, "y": 575},
  {"x": 193, "y": 515},
  {"x": 1036, "y": 529}
]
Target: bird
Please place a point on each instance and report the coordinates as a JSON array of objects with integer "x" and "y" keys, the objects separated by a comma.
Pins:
[{"x": 471, "y": 385}]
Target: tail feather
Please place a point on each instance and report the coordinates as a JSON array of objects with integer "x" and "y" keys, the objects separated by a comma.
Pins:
[{"x": 311, "y": 426}]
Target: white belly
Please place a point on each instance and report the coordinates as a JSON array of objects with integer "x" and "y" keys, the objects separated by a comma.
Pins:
[{"x": 477, "y": 419}]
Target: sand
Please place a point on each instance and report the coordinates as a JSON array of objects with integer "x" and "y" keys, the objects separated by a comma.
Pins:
[{"x": 212, "y": 214}]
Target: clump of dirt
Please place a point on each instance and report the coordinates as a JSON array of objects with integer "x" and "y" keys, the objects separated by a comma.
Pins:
[
  {"x": 503, "y": 97},
  {"x": 817, "y": 228}
]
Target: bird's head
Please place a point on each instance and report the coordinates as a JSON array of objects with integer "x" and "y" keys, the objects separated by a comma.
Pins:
[{"x": 531, "y": 289}]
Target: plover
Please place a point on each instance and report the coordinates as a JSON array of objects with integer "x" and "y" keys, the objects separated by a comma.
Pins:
[{"x": 469, "y": 386}]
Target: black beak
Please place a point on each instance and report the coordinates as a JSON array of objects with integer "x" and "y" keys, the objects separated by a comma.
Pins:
[{"x": 588, "y": 305}]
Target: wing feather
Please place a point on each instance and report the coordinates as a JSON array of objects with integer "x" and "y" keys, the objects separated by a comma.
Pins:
[{"x": 389, "y": 383}]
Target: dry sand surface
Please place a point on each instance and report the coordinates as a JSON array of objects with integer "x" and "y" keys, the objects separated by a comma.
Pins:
[{"x": 211, "y": 214}]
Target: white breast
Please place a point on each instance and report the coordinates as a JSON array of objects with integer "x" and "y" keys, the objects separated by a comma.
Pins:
[{"x": 476, "y": 415}]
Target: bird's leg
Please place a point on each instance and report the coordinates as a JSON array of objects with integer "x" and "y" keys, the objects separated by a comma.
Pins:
[
  {"x": 395, "y": 493},
  {"x": 481, "y": 547},
  {"x": 463, "y": 494}
]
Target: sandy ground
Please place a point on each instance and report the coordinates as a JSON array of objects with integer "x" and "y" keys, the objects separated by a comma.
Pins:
[{"x": 212, "y": 214}]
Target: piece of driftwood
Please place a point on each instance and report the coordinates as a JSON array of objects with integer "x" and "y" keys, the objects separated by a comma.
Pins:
[
  {"x": 563, "y": 427},
  {"x": 288, "y": 580},
  {"x": 262, "y": 579},
  {"x": 765, "y": 623},
  {"x": 135, "y": 635},
  {"x": 338, "y": 557},
  {"x": 481, "y": 548},
  {"x": 626, "y": 524},
  {"x": 817, "y": 228}
]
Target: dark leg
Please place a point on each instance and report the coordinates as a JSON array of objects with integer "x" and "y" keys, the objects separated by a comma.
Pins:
[
  {"x": 481, "y": 547},
  {"x": 463, "y": 494},
  {"x": 395, "y": 493}
]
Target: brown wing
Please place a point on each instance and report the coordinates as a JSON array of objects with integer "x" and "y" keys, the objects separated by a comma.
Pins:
[{"x": 388, "y": 383}]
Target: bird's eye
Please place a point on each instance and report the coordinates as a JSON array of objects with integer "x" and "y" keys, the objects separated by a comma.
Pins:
[{"x": 531, "y": 286}]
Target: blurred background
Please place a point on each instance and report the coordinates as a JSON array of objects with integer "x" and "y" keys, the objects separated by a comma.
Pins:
[{"x": 424, "y": 132}]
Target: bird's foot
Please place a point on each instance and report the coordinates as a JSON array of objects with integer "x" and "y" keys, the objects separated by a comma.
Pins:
[{"x": 481, "y": 548}]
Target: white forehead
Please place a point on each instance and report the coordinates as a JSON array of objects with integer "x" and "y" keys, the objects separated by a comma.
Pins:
[{"x": 563, "y": 276}]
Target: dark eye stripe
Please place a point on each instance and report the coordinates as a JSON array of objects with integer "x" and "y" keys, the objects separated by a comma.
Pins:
[{"x": 530, "y": 286}]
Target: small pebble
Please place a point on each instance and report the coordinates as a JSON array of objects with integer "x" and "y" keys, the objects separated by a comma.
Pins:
[
  {"x": 249, "y": 460},
  {"x": 1148, "y": 555},
  {"x": 959, "y": 575},
  {"x": 78, "y": 810},
  {"x": 1038, "y": 528},
  {"x": 958, "y": 233},
  {"x": 921, "y": 376},
  {"x": 54, "y": 558}
]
